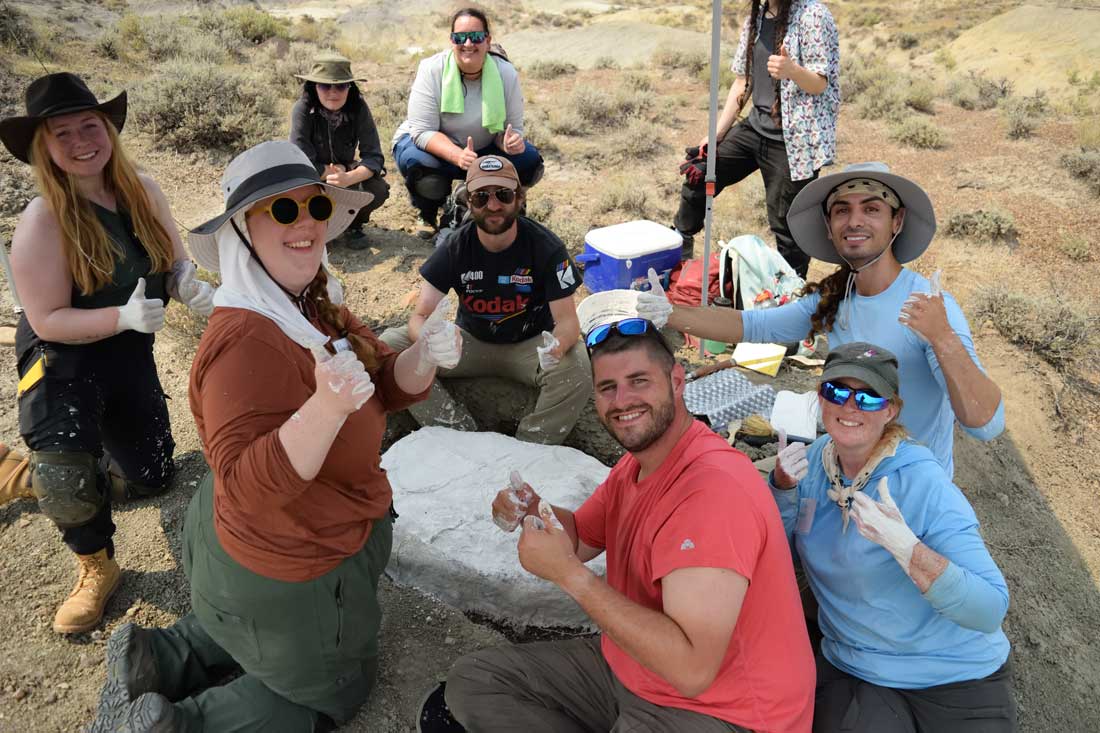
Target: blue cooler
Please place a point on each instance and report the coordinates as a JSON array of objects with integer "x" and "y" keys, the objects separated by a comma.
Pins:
[{"x": 619, "y": 256}]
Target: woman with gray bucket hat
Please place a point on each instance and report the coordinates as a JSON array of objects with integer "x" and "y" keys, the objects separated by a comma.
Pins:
[
  {"x": 871, "y": 222},
  {"x": 95, "y": 258},
  {"x": 910, "y": 603},
  {"x": 288, "y": 534},
  {"x": 330, "y": 122}
]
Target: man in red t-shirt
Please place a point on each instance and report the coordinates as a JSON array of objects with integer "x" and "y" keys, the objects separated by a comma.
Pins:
[{"x": 702, "y": 628}]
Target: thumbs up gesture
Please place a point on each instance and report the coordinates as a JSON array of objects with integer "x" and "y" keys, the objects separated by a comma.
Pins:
[
  {"x": 652, "y": 304},
  {"x": 780, "y": 66},
  {"x": 512, "y": 141},
  {"x": 343, "y": 383},
  {"x": 511, "y": 504},
  {"x": 142, "y": 314},
  {"x": 791, "y": 464},
  {"x": 548, "y": 359},
  {"x": 440, "y": 341},
  {"x": 466, "y": 155},
  {"x": 881, "y": 522}
]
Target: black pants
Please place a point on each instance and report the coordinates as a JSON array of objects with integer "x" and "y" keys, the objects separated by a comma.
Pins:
[
  {"x": 376, "y": 185},
  {"x": 851, "y": 705},
  {"x": 740, "y": 153},
  {"x": 100, "y": 398}
]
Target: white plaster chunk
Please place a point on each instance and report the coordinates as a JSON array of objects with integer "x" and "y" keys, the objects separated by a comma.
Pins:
[{"x": 445, "y": 542}]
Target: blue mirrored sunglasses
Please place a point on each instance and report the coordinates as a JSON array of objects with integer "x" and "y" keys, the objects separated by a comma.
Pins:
[
  {"x": 474, "y": 37},
  {"x": 867, "y": 400},
  {"x": 625, "y": 327}
]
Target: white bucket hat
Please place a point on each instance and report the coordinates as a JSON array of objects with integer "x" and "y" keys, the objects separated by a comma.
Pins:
[
  {"x": 809, "y": 225},
  {"x": 268, "y": 169}
]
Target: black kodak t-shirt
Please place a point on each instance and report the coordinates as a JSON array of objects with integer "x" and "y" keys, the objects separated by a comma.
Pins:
[{"x": 504, "y": 296}]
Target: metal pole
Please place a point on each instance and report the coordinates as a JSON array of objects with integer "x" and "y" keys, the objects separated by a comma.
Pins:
[
  {"x": 11, "y": 280},
  {"x": 712, "y": 152}
]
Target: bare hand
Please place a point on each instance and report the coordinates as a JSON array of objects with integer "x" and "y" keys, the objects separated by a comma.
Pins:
[
  {"x": 332, "y": 168},
  {"x": 780, "y": 66},
  {"x": 513, "y": 141},
  {"x": 466, "y": 155},
  {"x": 512, "y": 504},
  {"x": 339, "y": 178}
]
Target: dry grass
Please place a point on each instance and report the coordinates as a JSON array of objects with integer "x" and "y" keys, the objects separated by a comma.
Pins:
[
  {"x": 916, "y": 132},
  {"x": 983, "y": 225},
  {"x": 1054, "y": 331}
]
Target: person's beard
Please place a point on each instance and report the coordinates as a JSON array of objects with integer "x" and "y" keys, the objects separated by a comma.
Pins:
[
  {"x": 508, "y": 218},
  {"x": 660, "y": 415}
]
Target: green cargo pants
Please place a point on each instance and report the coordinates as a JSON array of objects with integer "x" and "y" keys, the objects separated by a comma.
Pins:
[
  {"x": 309, "y": 650},
  {"x": 563, "y": 390}
]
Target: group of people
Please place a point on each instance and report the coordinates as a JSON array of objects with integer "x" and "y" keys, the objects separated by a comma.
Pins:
[{"x": 701, "y": 619}]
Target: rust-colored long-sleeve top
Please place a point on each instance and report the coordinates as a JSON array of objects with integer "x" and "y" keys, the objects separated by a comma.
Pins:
[{"x": 247, "y": 379}]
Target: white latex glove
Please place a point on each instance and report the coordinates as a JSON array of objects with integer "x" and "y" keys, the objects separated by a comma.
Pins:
[
  {"x": 791, "y": 464},
  {"x": 652, "y": 304},
  {"x": 343, "y": 383},
  {"x": 881, "y": 522},
  {"x": 442, "y": 341},
  {"x": 511, "y": 504},
  {"x": 140, "y": 313},
  {"x": 196, "y": 294},
  {"x": 547, "y": 360}
]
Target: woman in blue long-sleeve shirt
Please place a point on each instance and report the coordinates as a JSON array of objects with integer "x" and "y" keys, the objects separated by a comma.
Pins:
[{"x": 910, "y": 601}]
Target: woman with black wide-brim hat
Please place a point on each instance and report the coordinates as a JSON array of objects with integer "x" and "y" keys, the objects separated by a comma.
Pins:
[
  {"x": 95, "y": 258},
  {"x": 329, "y": 122}
]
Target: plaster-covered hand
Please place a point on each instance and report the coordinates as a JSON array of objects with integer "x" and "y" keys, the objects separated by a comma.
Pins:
[
  {"x": 547, "y": 358},
  {"x": 140, "y": 313},
  {"x": 440, "y": 341},
  {"x": 881, "y": 522},
  {"x": 791, "y": 464},
  {"x": 652, "y": 304},
  {"x": 545, "y": 548},
  {"x": 343, "y": 384},
  {"x": 925, "y": 312},
  {"x": 184, "y": 286},
  {"x": 511, "y": 504}
]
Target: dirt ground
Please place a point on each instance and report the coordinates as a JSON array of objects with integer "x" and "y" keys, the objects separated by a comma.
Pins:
[{"x": 1035, "y": 488}]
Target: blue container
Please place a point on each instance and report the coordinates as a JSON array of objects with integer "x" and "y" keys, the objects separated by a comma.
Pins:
[{"x": 619, "y": 256}]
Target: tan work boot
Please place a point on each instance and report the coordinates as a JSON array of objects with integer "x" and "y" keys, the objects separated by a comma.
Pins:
[
  {"x": 15, "y": 475},
  {"x": 83, "y": 609}
]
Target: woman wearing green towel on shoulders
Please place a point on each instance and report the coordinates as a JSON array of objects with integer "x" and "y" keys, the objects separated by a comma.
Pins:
[{"x": 464, "y": 103}]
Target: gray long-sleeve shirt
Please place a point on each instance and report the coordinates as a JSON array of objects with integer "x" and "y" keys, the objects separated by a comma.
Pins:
[{"x": 424, "y": 118}]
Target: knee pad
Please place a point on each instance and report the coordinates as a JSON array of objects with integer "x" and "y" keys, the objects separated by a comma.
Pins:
[
  {"x": 432, "y": 186},
  {"x": 67, "y": 486}
]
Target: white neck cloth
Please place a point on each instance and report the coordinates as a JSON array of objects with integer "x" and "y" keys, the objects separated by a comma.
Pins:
[{"x": 246, "y": 285}]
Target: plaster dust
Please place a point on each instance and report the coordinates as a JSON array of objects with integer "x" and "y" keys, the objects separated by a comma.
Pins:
[{"x": 445, "y": 542}]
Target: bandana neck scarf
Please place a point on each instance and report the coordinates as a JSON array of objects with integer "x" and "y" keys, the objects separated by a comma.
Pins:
[{"x": 842, "y": 494}]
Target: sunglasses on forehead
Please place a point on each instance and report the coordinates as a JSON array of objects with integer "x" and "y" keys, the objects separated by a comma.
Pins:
[
  {"x": 479, "y": 199},
  {"x": 867, "y": 400},
  {"x": 474, "y": 37},
  {"x": 285, "y": 210},
  {"x": 625, "y": 327}
]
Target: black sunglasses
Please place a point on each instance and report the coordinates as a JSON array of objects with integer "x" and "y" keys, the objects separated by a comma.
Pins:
[
  {"x": 341, "y": 87},
  {"x": 479, "y": 199},
  {"x": 625, "y": 327},
  {"x": 286, "y": 210},
  {"x": 474, "y": 37}
]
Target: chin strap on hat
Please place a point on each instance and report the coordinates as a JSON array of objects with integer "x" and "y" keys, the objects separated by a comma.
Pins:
[
  {"x": 300, "y": 300},
  {"x": 845, "y": 319}
]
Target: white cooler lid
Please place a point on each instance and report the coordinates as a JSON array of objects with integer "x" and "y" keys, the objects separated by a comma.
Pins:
[{"x": 633, "y": 239}]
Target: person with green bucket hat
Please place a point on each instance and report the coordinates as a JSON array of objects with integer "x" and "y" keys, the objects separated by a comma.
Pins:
[{"x": 329, "y": 122}]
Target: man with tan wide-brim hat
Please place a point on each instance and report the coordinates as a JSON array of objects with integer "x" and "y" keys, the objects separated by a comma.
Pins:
[{"x": 871, "y": 222}]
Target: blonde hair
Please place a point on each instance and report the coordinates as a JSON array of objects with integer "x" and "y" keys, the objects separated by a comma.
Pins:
[{"x": 88, "y": 247}]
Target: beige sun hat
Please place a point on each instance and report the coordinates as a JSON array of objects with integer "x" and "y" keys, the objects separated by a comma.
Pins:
[
  {"x": 807, "y": 218},
  {"x": 264, "y": 170}
]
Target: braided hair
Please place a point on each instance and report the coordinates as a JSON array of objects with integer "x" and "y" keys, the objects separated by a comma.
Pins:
[
  {"x": 782, "y": 20},
  {"x": 336, "y": 317},
  {"x": 832, "y": 293}
]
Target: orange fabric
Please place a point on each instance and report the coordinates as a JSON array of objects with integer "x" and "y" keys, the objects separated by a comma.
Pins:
[
  {"x": 248, "y": 379},
  {"x": 706, "y": 506}
]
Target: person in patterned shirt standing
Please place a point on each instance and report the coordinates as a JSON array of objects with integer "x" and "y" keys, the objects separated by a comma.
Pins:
[{"x": 788, "y": 70}]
